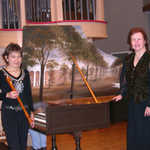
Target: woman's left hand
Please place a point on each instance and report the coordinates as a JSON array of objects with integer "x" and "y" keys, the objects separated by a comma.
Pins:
[{"x": 147, "y": 111}]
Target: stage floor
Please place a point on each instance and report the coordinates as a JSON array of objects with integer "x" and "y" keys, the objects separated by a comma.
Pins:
[{"x": 112, "y": 138}]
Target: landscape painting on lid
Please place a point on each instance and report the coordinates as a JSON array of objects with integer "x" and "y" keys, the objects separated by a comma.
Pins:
[{"x": 49, "y": 52}]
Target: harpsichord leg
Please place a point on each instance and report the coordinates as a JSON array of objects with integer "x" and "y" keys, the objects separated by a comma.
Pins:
[
  {"x": 77, "y": 137},
  {"x": 54, "y": 147}
]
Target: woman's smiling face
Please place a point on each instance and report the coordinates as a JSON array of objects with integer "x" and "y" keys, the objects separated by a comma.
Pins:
[
  {"x": 137, "y": 41},
  {"x": 14, "y": 59}
]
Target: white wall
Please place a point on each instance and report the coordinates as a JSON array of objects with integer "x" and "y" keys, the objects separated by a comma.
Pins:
[{"x": 121, "y": 16}]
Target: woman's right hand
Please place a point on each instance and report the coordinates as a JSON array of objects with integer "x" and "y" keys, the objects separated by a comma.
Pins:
[
  {"x": 12, "y": 94},
  {"x": 117, "y": 98}
]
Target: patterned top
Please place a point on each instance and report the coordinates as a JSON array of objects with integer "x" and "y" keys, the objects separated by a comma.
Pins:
[
  {"x": 135, "y": 81},
  {"x": 21, "y": 84}
]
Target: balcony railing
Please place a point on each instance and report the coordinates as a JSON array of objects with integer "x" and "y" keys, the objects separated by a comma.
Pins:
[
  {"x": 38, "y": 10},
  {"x": 79, "y": 9},
  {"x": 10, "y": 14}
]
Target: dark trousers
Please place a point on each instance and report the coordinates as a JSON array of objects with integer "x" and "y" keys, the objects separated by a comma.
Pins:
[{"x": 16, "y": 128}]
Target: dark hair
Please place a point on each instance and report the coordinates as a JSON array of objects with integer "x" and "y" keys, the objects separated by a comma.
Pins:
[
  {"x": 12, "y": 47},
  {"x": 137, "y": 30}
]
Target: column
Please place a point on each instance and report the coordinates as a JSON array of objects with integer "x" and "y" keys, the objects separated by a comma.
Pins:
[
  {"x": 99, "y": 9},
  {"x": 56, "y": 10},
  {"x": 1, "y": 24},
  {"x": 34, "y": 78},
  {"x": 22, "y": 13}
]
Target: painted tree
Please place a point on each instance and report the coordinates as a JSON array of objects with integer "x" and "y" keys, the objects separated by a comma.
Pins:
[
  {"x": 117, "y": 62},
  {"x": 91, "y": 56},
  {"x": 38, "y": 43},
  {"x": 78, "y": 46},
  {"x": 64, "y": 68},
  {"x": 72, "y": 46},
  {"x": 116, "y": 66},
  {"x": 51, "y": 64},
  {"x": 99, "y": 62}
]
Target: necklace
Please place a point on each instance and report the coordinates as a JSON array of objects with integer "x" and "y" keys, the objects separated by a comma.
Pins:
[{"x": 13, "y": 72}]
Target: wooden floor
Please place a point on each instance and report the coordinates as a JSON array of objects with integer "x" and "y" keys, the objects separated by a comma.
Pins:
[{"x": 112, "y": 138}]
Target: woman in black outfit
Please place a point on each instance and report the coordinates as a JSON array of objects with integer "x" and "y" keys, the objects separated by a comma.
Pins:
[
  {"x": 14, "y": 122},
  {"x": 135, "y": 87}
]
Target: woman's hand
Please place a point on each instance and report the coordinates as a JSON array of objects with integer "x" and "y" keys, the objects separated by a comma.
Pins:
[
  {"x": 117, "y": 98},
  {"x": 147, "y": 111},
  {"x": 12, "y": 94}
]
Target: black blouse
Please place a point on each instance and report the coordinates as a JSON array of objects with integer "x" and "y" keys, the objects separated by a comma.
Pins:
[
  {"x": 21, "y": 84},
  {"x": 135, "y": 81}
]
